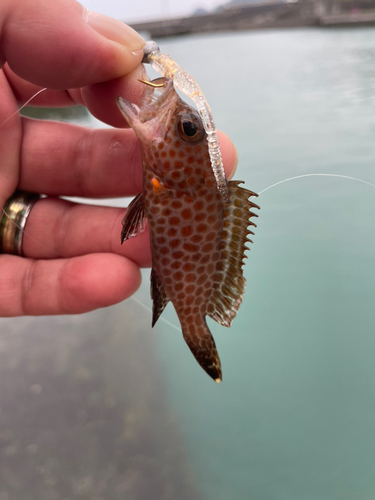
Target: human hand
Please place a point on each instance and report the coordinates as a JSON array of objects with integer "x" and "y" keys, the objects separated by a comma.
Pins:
[{"x": 73, "y": 261}]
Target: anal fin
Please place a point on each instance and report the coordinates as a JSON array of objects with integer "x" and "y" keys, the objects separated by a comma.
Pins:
[
  {"x": 230, "y": 283},
  {"x": 134, "y": 221},
  {"x": 158, "y": 295}
]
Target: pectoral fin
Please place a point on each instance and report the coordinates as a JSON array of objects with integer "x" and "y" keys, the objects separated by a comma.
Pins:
[{"x": 134, "y": 221}]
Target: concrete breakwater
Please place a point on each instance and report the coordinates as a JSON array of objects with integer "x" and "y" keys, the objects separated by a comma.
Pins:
[{"x": 258, "y": 16}]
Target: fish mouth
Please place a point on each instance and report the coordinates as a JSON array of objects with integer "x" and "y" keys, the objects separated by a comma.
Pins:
[{"x": 154, "y": 107}]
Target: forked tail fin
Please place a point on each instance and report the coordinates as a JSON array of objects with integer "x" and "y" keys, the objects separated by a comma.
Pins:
[{"x": 202, "y": 345}]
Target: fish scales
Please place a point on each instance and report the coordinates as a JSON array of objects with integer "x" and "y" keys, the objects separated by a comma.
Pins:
[{"x": 197, "y": 242}]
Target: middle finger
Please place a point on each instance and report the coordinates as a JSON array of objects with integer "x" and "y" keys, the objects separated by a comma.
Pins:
[{"x": 71, "y": 160}]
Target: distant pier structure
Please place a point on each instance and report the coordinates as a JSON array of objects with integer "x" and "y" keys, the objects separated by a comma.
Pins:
[{"x": 268, "y": 14}]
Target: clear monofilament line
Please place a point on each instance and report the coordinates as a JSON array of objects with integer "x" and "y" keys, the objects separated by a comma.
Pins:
[
  {"x": 150, "y": 310},
  {"x": 23, "y": 106},
  {"x": 317, "y": 175}
]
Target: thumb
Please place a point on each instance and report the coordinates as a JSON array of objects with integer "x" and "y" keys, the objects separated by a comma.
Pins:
[{"x": 62, "y": 45}]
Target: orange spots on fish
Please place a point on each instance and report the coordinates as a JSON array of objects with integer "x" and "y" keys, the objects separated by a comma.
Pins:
[
  {"x": 163, "y": 154},
  {"x": 165, "y": 261},
  {"x": 180, "y": 154},
  {"x": 190, "y": 247},
  {"x": 186, "y": 231},
  {"x": 177, "y": 144},
  {"x": 208, "y": 247},
  {"x": 172, "y": 153},
  {"x": 202, "y": 279},
  {"x": 191, "y": 159},
  {"x": 160, "y": 145},
  {"x": 175, "y": 243},
  {"x": 204, "y": 258},
  {"x": 176, "y": 174},
  {"x": 199, "y": 216},
  {"x": 178, "y": 164},
  {"x": 188, "y": 267},
  {"x": 186, "y": 214},
  {"x": 174, "y": 221},
  {"x": 176, "y": 204},
  {"x": 197, "y": 238},
  {"x": 202, "y": 228},
  {"x": 172, "y": 232},
  {"x": 178, "y": 275}
]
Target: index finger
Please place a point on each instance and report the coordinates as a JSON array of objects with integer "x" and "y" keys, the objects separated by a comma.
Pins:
[{"x": 61, "y": 45}]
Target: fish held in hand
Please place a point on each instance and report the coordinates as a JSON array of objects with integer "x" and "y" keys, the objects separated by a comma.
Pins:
[{"x": 197, "y": 239}]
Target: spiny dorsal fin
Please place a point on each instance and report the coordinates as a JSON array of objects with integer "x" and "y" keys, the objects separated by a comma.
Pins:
[
  {"x": 134, "y": 221},
  {"x": 230, "y": 284},
  {"x": 158, "y": 295}
]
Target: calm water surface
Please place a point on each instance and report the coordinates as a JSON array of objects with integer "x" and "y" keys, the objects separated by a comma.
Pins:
[
  {"x": 294, "y": 418},
  {"x": 295, "y": 415}
]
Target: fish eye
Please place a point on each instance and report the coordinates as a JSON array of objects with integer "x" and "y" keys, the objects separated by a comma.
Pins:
[{"x": 190, "y": 128}]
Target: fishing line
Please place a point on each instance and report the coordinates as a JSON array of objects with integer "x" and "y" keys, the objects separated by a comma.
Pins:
[
  {"x": 317, "y": 175},
  {"x": 23, "y": 105},
  {"x": 149, "y": 310}
]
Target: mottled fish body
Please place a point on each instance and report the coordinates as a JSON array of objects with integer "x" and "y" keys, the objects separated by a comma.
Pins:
[{"x": 197, "y": 240}]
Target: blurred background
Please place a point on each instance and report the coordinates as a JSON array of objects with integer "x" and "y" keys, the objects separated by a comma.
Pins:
[{"x": 101, "y": 407}]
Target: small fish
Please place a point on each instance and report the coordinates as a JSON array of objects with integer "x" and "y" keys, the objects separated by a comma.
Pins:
[{"x": 197, "y": 240}]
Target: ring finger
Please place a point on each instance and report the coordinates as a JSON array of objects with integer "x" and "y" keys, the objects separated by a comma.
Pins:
[{"x": 58, "y": 228}]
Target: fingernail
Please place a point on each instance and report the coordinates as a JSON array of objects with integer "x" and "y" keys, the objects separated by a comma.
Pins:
[{"x": 114, "y": 30}]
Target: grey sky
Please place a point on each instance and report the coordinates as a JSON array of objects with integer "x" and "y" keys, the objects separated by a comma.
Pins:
[{"x": 133, "y": 10}]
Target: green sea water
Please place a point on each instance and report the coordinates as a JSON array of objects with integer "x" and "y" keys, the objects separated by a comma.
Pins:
[
  {"x": 294, "y": 418},
  {"x": 126, "y": 412}
]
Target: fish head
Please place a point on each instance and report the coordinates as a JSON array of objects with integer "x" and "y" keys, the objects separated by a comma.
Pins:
[{"x": 162, "y": 120}]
